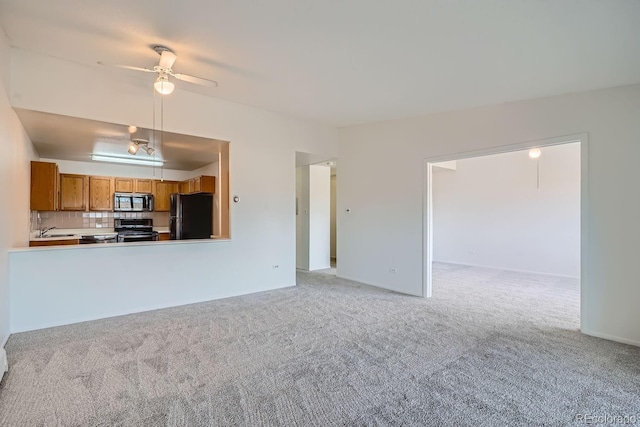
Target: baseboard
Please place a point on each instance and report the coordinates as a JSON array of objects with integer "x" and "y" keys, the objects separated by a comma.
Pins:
[
  {"x": 508, "y": 269},
  {"x": 611, "y": 337}
]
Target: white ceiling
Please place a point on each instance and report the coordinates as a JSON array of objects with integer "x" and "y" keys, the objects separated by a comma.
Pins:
[
  {"x": 347, "y": 62},
  {"x": 71, "y": 138}
]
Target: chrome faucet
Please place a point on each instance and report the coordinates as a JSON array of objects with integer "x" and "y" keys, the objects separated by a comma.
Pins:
[{"x": 45, "y": 230}]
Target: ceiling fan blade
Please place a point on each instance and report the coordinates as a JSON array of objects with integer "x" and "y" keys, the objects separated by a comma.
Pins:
[
  {"x": 167, "y": 58},
  {"x": 196, "y": 80},
  {"x": 128, "y": 67}
]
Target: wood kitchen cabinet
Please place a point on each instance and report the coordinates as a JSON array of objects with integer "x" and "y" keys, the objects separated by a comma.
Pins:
[
  {"x": 205, "y": 184},
  {"x": 45, "y": 186},
  {"x": 74, "y": 192},
  {"x": 143, "y": 186},
  {"x": 199, "y": 184},
  {"x": 133, "y": 185},
  {"x": 101, "y": 189},
  {"x": 161, "y": 192},
  {"x": 123, "y": 185},
  {"x": 54, "y": 242}
]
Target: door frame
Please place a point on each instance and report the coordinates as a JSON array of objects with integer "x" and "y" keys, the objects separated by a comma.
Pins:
[{"x": 427, "y": 194}]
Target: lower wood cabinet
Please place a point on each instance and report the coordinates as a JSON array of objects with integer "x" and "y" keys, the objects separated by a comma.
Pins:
[
  {"x": 164, "y": 236},
  {"x": 54, "y": 242}
]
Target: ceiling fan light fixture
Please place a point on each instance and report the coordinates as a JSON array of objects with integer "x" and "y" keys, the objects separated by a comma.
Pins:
[
  {"x": 163, "y": 85},
  {"x": 149, "y": 150}
]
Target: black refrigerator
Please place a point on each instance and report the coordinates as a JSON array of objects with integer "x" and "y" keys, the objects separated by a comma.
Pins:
[{"x": 191, "y": 216}]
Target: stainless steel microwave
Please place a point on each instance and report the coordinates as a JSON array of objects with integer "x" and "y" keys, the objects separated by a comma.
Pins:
[{"x": 132, "y": 202}]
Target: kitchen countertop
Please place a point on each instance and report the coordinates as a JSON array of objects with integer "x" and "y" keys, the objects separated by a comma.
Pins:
[
  {"x": 71, "y": 234},
  {"x": 77, "y": 233}
]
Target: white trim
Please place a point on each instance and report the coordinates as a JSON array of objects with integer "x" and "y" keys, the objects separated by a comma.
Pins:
[
  {"x": 374, "y": 285},
  {"x": 427, "y": 240},
  {"x": 493, "y": 267},
  {"x": 610, "y": 337},
  {"x": 4, "y": 364}
]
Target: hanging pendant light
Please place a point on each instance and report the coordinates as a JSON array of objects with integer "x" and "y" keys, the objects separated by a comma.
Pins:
[{"x": 535, "y": 154}]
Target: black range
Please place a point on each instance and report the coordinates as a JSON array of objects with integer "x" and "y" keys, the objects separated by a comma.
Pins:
[{"x": 135, "y": 230}]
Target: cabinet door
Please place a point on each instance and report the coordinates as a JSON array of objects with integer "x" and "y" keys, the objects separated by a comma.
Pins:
[
  {"x": 192, "y": 185},
  {"x": 161, "y": 194},
  {"x": 73, "y": 192},
  {"x": 101, "y": 193},
  {"x": 124, "y": 185},
  {"x": 44, "y": 186},
  {"x": 208, "y": 184},
  {"x": 197, "y": 186},
  {"x": 143, "y": 186},
  {"x": 184, "y": 187}
]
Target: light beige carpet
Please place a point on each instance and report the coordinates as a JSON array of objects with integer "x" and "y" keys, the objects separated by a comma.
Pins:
[{"x": 490, "y": 348}]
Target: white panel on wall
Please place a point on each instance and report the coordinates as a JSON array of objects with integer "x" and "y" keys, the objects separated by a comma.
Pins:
[
  {"x": 319, "y": 217},
  {"x": 302, "y": 217},
  {"x": 490, "y": 212},
  {"x": 334, "y": 206}
]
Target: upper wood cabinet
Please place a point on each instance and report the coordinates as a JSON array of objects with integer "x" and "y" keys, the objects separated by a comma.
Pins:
[
  {"x": 199, "y": 184},
  {"x": 161, "y": 192},
  {"x": 74, "y": 192},
  {"x": 133, "y": 185},
  {"x": 124, "y": 185},
  {"x": 101, "y": 189},
  {"x": 143, "y": 186},
  {"x": 205, "y": 184},
  {"x": 44, "y": 186}
]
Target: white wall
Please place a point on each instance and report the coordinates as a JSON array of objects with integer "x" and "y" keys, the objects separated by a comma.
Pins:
[
  {"x": 16, "y": 151},
  {"x": 333, "y": 207},
  {"x": 262, "y": 159},
  {"x": 489, "y": 212},
  {"x": 385, "y": 226},
  {"x": 319, "y": 217},
  {"x": 302, "y": 217}
]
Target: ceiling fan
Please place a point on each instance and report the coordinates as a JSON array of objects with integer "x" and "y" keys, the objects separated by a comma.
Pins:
[{"x": 163, "y": 70}]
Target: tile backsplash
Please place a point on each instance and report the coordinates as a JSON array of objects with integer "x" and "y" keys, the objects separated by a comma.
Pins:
[{"x": 91, "y": 219}]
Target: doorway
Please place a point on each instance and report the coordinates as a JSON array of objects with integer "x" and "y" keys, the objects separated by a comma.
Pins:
[
  {"x": 315, "y": 212},
  {"x": 432, "y": 164}
]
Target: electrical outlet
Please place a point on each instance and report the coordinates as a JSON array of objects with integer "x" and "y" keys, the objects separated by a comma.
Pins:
[{"x": 393, "y": 270}]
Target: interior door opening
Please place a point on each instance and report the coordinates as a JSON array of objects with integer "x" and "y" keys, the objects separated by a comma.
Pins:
[{"x": 518, "y": 209}]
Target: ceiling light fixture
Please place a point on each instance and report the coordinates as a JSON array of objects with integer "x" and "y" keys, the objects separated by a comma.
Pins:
[
  {"x": 138, "y": 143},
  {"x": 132, "y": 129},
  {"x": 534, "y": 153},
  {"x": 129, "y": 160},
  {"x": 163, "y": 85}
]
